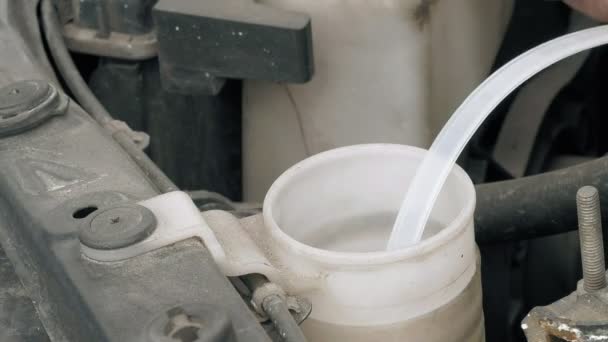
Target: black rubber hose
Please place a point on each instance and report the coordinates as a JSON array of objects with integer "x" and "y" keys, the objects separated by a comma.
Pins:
[
  {"x": 85, "y": 97},
  {"x": 536, "y": 206}
]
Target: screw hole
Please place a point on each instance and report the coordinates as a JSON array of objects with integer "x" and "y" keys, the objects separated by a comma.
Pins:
[
  {"x": 182, "y": 327},
  {"x": 186, "y": 334},
  {"x": 84, "y": 212}
]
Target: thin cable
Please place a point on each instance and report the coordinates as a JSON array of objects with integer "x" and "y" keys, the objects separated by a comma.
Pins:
[
  {"x": 68, "y": 70},
  {"x": 279, "y": 314},
  {"x": 275, "y": 307}
]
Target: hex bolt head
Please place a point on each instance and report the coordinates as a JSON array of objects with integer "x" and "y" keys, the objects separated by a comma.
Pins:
[
  {"x": 590, "y": 235},
  {"x": 117, "y": 227}
]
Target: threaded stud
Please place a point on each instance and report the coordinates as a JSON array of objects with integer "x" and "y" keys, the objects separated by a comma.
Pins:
[{"x": 590, "y": 234}]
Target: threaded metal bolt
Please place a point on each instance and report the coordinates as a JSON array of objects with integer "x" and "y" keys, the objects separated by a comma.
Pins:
[{"x": 590, "y": 234}]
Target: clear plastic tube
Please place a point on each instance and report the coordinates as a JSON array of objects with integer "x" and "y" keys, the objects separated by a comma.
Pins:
[{"x": 432, "y": 173}]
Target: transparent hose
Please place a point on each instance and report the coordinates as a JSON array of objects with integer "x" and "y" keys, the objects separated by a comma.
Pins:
[{"x": 432, "y": 173}]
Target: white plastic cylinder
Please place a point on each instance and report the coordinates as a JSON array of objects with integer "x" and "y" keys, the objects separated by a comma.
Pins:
[
  {"x": 331, "y": 215},
  {"x": 387, "y": 71}
]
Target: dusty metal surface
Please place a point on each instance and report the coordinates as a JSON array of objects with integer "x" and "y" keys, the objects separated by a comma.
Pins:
[
  {"x": 51, "y": 176},
  {"x": 19, "y": 321},
  {"x": 579, "y": 317}
]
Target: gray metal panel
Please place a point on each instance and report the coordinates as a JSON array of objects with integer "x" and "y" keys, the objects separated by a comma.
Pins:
[{"x": 47, "y": 173}]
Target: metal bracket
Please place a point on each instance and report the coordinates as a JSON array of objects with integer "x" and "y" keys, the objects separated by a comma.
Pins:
[
  {"x": 576, "y": 318},
  {"x": 177, "y": 218},
  {"x": 116, "y": 45},
  {"x": 140, "y": 139}
]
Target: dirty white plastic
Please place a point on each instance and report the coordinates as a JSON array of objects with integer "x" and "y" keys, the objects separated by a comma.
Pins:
[
  {"x": 430, "y": 177},
  {"x": 389, "y": 71},
  {"x": 177, "y": 219},
  {"x": 322, "y": 235},
  {"x": 327, "y": 220}
]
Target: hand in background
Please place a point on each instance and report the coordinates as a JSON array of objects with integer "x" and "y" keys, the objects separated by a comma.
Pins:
[{"x": 597, "y": 9}]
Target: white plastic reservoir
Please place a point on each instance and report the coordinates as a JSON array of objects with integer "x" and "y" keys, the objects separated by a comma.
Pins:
[
  {"x": 330, "y": 216},
  {"x": 322, "y": 237},
  {"x": 387, "y": 71}
]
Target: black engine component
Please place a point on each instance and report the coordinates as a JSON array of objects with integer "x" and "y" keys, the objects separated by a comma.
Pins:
[{"x": 201, "y": 44}]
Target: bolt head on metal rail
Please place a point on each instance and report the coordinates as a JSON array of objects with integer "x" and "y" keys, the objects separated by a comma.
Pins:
[
  {"x": 26, "y": 104},
  {"x": 117, "y": 227}
]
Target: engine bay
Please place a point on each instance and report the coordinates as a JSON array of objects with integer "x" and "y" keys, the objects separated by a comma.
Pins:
[{"x": 232, "y": 170}]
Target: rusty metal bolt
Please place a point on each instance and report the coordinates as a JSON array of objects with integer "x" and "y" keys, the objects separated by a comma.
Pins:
[{"x": 590, "y": 234}]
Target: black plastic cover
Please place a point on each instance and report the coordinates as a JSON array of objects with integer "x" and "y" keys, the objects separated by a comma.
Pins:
[{"x": 201, "y": 41}]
